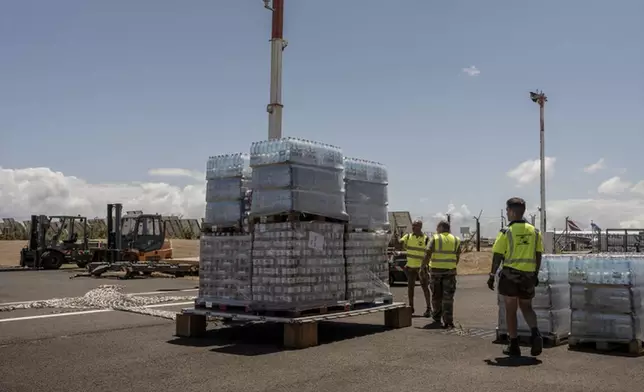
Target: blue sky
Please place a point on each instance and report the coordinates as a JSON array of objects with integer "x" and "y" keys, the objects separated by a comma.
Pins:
[{"x": 87, "y": 84}]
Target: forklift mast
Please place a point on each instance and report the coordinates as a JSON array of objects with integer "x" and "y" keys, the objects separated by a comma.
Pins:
[{"x": 114, "y": 235}]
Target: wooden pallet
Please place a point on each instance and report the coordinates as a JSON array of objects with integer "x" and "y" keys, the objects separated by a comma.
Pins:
[
  {"x": 298, "y": 332},
  {"x": 344, "y": 306},
  {"x": 223, "y": 231},
  {"x": 633, "y": 348},
  {"x": 293, "y": 216},
  {"x": 549, "y": 340},
  {"x": 351, "y": 229}
]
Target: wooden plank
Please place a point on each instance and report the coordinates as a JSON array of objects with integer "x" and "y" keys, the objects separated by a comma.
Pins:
[
  {"x": 300, "y": 336},
  {"x": 190, "y": 325},
  {"x": 634, "y": 347},
  {"x": 398, "y": 318}
]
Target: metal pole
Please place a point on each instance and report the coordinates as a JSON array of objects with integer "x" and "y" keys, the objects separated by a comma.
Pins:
[
  {"x": 278, "y": 44},
  {"x": 540, "y": 98},
  {"x": 478, "y": 235},
  {"x": 543, "y": 163}
]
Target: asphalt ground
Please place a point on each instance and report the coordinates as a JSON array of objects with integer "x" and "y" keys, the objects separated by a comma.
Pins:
[{"x": 118, "y": 352}]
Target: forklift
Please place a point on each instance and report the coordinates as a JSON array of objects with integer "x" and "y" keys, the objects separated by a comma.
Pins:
[
  {"x": 53, "y": 241},
  {"x": 129, "y": 238}
]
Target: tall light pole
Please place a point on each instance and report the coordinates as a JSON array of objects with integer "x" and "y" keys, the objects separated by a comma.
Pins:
[
  {"x": 278, "y": 44},
  {"x": 540, "y": 98}
]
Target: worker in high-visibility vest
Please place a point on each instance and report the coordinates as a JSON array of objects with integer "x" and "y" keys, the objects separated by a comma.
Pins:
[
  {"x": 442, "y": 257},
  {"x": 414, "y": 244},
  {"x": 518, "y": 248}
]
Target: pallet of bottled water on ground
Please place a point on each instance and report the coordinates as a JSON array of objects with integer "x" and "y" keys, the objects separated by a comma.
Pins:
[
  {"x": 551, "y": 304},
  {"x": 606, "y": 298},
  {"x": 280, "y": 246}
]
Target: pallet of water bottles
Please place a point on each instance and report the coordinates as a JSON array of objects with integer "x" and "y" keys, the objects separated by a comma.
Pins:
[
  {"x": 240, "y": 228},
  {"x": 293, "y": 216},
  {"x": 236, "y": 307}
]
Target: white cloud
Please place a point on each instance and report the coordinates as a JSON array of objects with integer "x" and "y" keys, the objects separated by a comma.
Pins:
[
  {"x": 638, "y": 188},
  {"x": 595, "y": 167},
  {"x": 471, "y": 71},
  {"x": 24, "y": 192},
  {"x": 607, "y": 213},
  {"x": 529, "y": 171},
  {"x": 613, "y": 186},
  {"x": 459, "y": 216},
  {"x": 175, "y": 172}
]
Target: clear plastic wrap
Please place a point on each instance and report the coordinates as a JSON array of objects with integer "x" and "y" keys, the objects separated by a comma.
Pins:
[
  {"x": 367, "y": 216},
  {"x": 293, "y": 150},
  {"x": 612, "y": 299},
  {"x": 225, "y": 270},
  {"x": 367, "y": 266},
  {"x": 362, "y": 170},
  {"x": 550, "y": 322},
  {"x": 607, "y": 269},
  {"x": 299, "y": 177},
  {"x": 226, "y": 189},
  {"x": 366, "y": 192},
  {"x": 606, "y": 297},
  {"x": 225, "y": 213},
  {"x": 298, "y": 265},
  {"x": 228, "y": 165},
  {"x": 551, "y": 301},
  {"x": 552, "y": 296},
  {"x": 591, "y": 326},
  {"x": 276, "y": 201}
]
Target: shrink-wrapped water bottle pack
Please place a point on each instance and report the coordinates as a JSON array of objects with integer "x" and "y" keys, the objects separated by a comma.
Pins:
[{"x": 551, "y": 301}]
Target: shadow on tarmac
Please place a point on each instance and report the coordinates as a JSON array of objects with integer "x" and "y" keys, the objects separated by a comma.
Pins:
[
  {"x": 513, "y": 361},
  {"x": 262, "y": 338}
]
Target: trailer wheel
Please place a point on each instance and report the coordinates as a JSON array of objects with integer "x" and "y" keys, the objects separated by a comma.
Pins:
[{"x": 52, "y": 260}]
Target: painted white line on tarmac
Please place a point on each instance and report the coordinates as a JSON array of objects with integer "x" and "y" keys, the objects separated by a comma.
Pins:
[
  {"x": 161, "y": 293},
  {"x": 43, "y": 316}
]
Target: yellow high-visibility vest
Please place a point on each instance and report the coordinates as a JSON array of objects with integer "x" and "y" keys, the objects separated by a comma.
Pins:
[
  {"x": 523, "y": 241},
  {"x": 415, "y": 247},
  {"x": 444, "y": 252}
]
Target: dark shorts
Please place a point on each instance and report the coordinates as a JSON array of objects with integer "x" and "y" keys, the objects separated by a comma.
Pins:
[
  {"x": 515, "y": 283},
  {"x": 413, "y": 273}
]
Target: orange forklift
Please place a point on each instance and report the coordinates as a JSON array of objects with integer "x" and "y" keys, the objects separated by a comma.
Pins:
[{"x": 136, "y": 245}]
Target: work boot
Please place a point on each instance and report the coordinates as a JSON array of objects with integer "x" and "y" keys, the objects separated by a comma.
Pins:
[
  {"x": 537, "y": 345},
  {"x": 448, "y": 326},
  {"x": 513, "y": 349},
  {"x": 428, "y": 313}
]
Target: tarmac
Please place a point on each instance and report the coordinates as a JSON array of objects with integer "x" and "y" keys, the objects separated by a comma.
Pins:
[{"x": 72, "y": 351}]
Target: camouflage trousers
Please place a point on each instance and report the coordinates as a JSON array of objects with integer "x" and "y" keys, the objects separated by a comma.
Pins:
[{"x": 442, "y": 283}]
